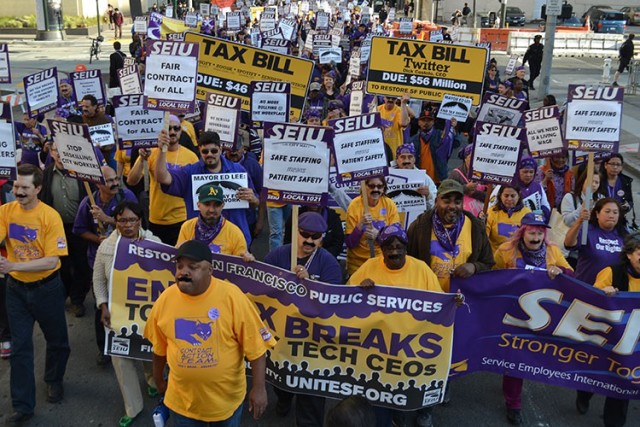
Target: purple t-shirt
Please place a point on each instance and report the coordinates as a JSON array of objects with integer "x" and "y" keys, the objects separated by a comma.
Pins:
[{"x": 603, "y": 249}]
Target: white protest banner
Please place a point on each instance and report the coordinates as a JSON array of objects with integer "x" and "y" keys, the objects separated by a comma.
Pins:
[
  {"x": 436, "y": 36},
  {"x": 130, "y": 81},
  {"x": 511, "y": 65},
  {"x": 274, "y": 33},
  {"x": 288, "y": 28},
  {"x": 267, "y": 21},
  {"x": 222, "y": 115},
  {"x": 392, "y": 14},
  {"x": 501, "y": 110},
  {"x": 406, "y": 25},
  {"x": 205, "y": 9},
  {"x": 129, "y": 61},
  {"x": 322, "y": 21},
  {"x": 169, "y": 12},
  {"x": 296, "y": 163},
  {"x": 496, "y": 153},
  {"x": 357, "y": 98},
  {"x": 593, "y": 118},
  {"x": 365, "y": 49},
  {"x": 135, "y": 124},
  {"x": 329, "y": 55},
  {"x": 455, "y": 107},
  {"x": 544, "y": 136},
  {"x": 234, "y": 21},
  {"x": 175, "y": 37},
  {"x": 102, "y": 135},
  {"x": 140, "y": 25},
  {"x": 229, "y": 182},
  {"x": 88, "y": 83},
  {"x": 171, "y": 72},
  {"x": 270, "y": 101},
  {"x": 256, "y": 39},
  {"x": 358, "y": 147},
  {"x": 308, "y": 43},
  {"x": 8, "y": 166},
  {"x": 5, "y": 67},
  {"x": 321, "y": 41},
  {"x": 402, "y": 185},
  {"x": 191, "y": 19},
  {"x": 76, "y": 150},
  {"x": 277, "y": 46},
  {"x": 354, "y": 62},
  {"x": 41, "y": 91}
]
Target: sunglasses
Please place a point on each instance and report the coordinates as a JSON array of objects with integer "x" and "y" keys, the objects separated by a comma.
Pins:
[
  {"x": 314, "y": 236},
  {"x": 375, "y": 186},
  {"x": 205, "y": 151},
  {"x": 175, "y": 128}
]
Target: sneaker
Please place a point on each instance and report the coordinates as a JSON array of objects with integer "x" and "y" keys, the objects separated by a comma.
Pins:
[
  {"x": 615, "y": 84},
  {"x": 77, "y": 310},
  {"x": 18, "y": 419},
  {"x": 55, "y": 392},
  {"x": 103, "y": 359},
  {"x": 5, "y": 349},
  {"x": 152, "y": 391},
  {"x": 514, "y": 417},
  {"x": 125, "y": 421}
]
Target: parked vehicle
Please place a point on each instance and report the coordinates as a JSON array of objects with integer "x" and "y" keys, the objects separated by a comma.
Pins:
[
  {"x": 515, "y": 16},
  {"x": 607, "y": 21},
  {"x": 571, "y": 22},
  {"x": 632, "y": 14},
  {"x": 483, "y": 17},
  {"x": 590, "y": 10}
]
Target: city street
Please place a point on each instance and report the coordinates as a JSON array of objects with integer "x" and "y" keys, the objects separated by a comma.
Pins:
[{"x": 92, "y": 396}]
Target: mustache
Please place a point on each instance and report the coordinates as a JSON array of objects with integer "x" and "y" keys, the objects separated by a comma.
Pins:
[
  {"x": 184, "y": 279},
  {"x": 114, "y": 187},
  {"x": 394, "y": 257},
  {"x": 375, "y": 192},
  {"x": 311, "y": 245}
]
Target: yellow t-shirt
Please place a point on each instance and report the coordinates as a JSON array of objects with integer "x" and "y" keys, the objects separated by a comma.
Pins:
[
  {"x": 384, "y": 213},
  {"x": 443, "y": 262},
  {"x": 165, "y": 209},
  {"x": 229, "y": 241},
  {"x": 500, "y": 227},
  {"x": 392, "y": 128},
  {"x": 205, "y": 339},
  {"x": 605, "y": 278},
  {"x": 30, "y": 235},
  {"x": 507, "y": 257},
  {"x": 187, "y": 127},
  {"x": 415, "y": 274},
  {"x": 123, "y": 158}
]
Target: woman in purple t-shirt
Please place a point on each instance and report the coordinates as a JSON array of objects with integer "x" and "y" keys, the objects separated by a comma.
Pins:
[{"x": 605, "y": 234}]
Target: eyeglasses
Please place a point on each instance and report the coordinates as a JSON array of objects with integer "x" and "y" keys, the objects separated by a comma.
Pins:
[
  {"x": 127, "y": 220},
  {"x": 375, "y": 186},
  {"x": 314, "y": 236},
  {"x": 175, "y": 128},
  {"x": 205, "y": 151}
]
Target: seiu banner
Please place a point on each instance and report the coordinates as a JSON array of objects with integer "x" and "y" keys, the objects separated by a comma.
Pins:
[
  {"x": 560, "y": 331},
  {"x": 391, "y": 345}
]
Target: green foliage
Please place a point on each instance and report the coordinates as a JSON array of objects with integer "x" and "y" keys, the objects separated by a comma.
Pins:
[{"x": 29, "y": 21}]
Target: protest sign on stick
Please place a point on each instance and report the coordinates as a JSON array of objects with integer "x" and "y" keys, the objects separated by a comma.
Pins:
[
  {"x": 88, "y": 83},
  {"x": 5, "y": 65},
  {"x": 76, "y": 150},
  {"x": 229, "y": 182},
  {"x": 270, "y": 101},
  {"x": 130, "y": 81},
  {"x": 222, "y": 115},
  {"x": 135, "y": 124},
  {"x": 41, "y": 91},
  {"x": 544, "y": 135},
  {"x": 8, "y": 166},
  {"x": 496, "y": 153}
]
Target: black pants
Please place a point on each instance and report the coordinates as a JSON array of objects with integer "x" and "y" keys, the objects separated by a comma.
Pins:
[
  {"x": 534, "y": 71},
  {"x": 309, "y": 409},
  {"x": 74, "y": 269},
  {"x": 167, "y": 233},
  {"x": 5, "y": 331},
  {"x": 99, "y": 327},
  {"x": 615, "y": 410}
]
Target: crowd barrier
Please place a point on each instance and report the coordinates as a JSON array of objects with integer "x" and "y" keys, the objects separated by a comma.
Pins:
[{"x": 578, "y": 43}]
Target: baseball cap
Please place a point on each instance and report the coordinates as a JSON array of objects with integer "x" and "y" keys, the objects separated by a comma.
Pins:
[
  {"x": 427, "y": 115},
  {"x": 534, "y": 219},
  {"x": 194, "y": 250},
  {"x": 312, "y": 222},
  {"x": 210, "y": 193},
  {"x": 315, "y": 86},
  {"x": 392, "y": 230},
  {"x": 449, "y": 186}
]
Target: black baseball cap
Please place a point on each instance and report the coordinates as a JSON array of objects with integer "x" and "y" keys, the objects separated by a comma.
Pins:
[{"x": 194, "y": 250}]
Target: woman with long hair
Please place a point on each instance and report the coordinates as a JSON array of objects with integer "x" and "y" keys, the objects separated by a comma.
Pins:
[
  {"x": 527, "y": 248},
  {"x": 615, "y": 184},
  {"x": 504, "y": 218}
]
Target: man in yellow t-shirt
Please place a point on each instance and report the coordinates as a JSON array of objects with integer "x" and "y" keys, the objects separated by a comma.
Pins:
[
  {"x": 35, "y": 241},
  {"x": 166, "y": 212},
  {"x": 450, "y": 240},
  {"x": 211, "y": 228},
  {"x": 394, "y": 267},
  {"x": 203, "y": 328},
  {"x": 394, "y": 120}
]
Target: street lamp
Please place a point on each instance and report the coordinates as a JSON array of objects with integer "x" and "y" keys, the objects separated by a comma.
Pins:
[
  {"x": 98, "y": 15},
  {"x": 49, "y": 20}
]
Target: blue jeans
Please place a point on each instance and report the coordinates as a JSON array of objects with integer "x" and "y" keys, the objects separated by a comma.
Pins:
[
  {"x": 232, "y": 421},
  {"x": 277, "y": 219},
  {"x": 43, "y": 304}
]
